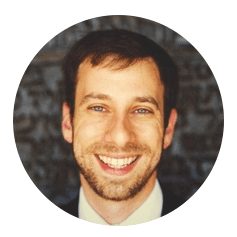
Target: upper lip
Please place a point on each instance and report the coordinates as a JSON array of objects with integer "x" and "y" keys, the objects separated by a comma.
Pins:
[{"x": 117, "y": 156}]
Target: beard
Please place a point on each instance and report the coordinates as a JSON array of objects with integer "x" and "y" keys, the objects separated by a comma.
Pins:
[{"x": 114, "y": 188}]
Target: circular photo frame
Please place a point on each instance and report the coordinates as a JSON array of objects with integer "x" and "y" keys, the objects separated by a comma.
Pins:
[{"x": 176, "y": 26}]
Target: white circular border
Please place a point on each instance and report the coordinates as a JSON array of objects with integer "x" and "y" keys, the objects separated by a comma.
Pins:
[{"x": 188, "y": 35}]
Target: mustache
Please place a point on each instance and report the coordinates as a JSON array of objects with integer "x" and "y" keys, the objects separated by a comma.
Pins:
[{"x": 129, "y": 147}]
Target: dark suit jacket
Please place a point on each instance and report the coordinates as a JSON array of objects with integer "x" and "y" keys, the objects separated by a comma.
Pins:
[{"x": 170, "y": 203}]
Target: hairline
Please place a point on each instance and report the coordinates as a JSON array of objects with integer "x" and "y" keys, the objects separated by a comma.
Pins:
[{"x": 111, "y": 64}]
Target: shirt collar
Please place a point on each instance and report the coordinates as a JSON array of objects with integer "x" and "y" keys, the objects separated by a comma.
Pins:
[{"x": 148, "y": 211}]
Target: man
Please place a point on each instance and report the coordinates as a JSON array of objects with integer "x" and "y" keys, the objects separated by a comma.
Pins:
[{"x": 119, "y": 115}]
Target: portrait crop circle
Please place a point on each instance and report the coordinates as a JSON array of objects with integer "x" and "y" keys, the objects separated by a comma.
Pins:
[{"x": 153, "y": 16}]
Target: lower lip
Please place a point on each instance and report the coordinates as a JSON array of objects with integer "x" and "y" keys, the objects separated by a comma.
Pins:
[{"x": 118, "y": 172}]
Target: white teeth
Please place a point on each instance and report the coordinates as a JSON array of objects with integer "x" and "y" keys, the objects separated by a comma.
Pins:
[{"x": 117, "y": 163}]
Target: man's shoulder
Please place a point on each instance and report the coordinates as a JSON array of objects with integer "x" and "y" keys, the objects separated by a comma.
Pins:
[
  {"x": 170, "y": 201},
  {"x": 71, "y": 207}
]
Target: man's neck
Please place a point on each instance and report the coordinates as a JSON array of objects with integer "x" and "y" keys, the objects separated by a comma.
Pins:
[{"x": 115, "y": 212}]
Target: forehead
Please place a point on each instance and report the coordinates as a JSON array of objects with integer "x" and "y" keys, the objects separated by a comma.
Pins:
[{"x": 140, "y": 77}]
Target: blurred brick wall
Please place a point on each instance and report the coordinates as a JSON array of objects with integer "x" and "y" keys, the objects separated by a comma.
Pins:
[{"x": 37, "y": 114}]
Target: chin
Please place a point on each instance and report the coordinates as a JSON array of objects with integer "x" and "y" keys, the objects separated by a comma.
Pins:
[{"x": 116, "y": 189}]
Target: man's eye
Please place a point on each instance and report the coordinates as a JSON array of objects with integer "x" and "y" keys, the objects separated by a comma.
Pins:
[
  {"x": 142, "y": 111},
  {"x": 98, "y": 108}
]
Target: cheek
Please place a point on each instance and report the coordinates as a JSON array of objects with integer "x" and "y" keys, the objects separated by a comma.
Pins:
[
  {"x": 88, "y": 131},
  {"x": 150, "y": 133}
]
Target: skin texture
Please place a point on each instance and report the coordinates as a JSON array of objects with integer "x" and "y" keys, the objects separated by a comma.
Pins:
[{"x": 119, "y": 114}]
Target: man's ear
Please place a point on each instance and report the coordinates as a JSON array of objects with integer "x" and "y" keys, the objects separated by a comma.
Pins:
[
  {"x": 169, "y": 131},
  {"x": 66, "y": 123}
]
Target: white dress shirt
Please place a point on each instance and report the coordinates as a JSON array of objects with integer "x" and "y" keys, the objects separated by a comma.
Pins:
[{"x": 150, "y": 210}]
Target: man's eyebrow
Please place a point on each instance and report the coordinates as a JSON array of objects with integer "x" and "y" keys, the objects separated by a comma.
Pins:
[
  {"x": 94, "y": 96},
  {"x": 142, "y": 99},
  {"x": 147, "y": 99}
]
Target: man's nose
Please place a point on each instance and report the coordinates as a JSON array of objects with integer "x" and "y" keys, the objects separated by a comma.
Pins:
[{"x": 119, "y": 131}]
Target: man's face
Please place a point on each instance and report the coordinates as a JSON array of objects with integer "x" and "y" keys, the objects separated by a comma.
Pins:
[{"x": 118, "y": 127}]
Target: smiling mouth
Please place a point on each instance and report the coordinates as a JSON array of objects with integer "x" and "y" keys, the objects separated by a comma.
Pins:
[{"x": 117, "y": 163}]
